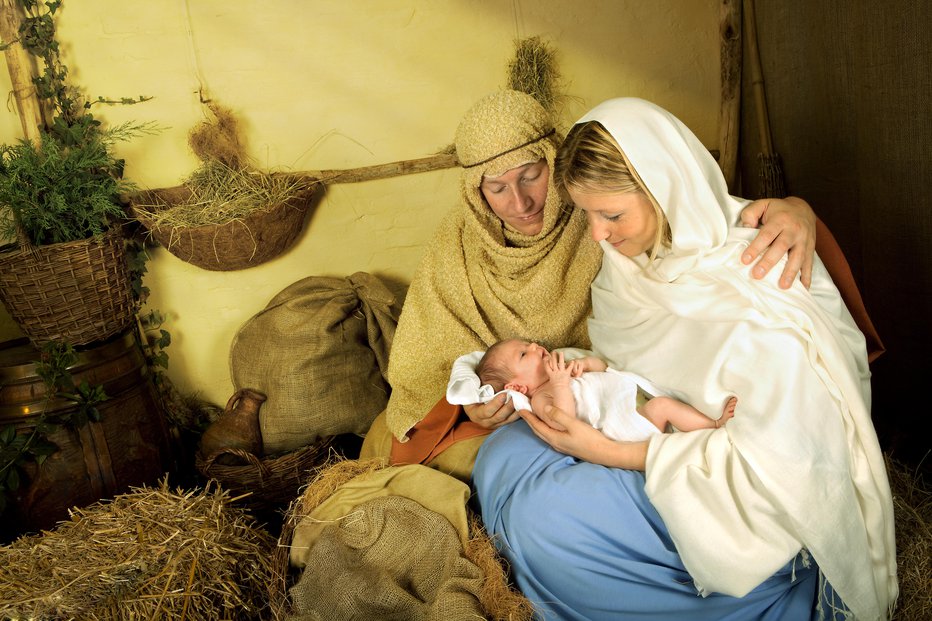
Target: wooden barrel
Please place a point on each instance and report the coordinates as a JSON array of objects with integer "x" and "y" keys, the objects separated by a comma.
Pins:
[{"x": 129, "y": 446}]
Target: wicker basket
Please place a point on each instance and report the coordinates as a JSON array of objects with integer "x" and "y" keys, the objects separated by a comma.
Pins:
[
  {"x": 272, "y": 482},
  {"x": 239, "y": 244},
  {"x": 77, "y": 292}
]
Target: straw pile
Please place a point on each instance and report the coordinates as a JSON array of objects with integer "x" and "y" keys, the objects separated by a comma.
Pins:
[
  {"x": 218, "y": 194},
  {"x": 912, "y": 508},
  {"x": 500, "y": 600},
  {"x": 533, "y": 70},
  {"x": 147, "y": 554}
]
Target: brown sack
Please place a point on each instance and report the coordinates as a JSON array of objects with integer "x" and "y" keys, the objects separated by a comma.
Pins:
[{"x": 319, "y": 352}]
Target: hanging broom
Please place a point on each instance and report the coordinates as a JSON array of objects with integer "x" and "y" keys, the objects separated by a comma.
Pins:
[{"x": 771, "y": 170}]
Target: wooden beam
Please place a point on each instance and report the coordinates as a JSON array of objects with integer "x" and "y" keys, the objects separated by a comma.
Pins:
[
  {"x": 19, "y": 64},
  {"x": 382, "y": 171}
]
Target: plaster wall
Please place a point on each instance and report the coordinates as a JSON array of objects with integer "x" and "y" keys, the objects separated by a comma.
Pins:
[{"x": 332, "y": 84}]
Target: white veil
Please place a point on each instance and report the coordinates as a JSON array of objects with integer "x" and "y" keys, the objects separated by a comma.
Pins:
[{"x": 799, "y": 466}]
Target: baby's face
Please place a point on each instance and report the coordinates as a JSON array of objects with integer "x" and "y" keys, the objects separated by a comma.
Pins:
[{"x": 527, "y": 362}]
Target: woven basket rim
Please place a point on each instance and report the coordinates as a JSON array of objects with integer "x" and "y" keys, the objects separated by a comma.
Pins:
[{"x": 264, "y": 468}]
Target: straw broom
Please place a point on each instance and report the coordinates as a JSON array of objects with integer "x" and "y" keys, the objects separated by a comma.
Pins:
[{"x": 771, "y": 170}]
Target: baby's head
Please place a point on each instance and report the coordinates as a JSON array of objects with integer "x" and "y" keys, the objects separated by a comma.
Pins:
[
  {"x": 493, "y": 368},
  {"x": 513, "y": 364}
]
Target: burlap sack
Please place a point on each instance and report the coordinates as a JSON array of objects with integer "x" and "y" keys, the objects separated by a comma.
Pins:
[
  {"x": 390, "y": 559},
  {"x": 319, "y": 351}
]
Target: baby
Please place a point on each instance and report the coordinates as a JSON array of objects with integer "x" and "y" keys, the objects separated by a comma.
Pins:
[{"x": 586, "y": 388}]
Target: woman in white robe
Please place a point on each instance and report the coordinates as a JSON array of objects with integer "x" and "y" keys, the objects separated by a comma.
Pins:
[{"x": 798, "y": 474}]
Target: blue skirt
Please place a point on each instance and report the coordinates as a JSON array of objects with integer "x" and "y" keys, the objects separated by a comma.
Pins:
[{"x": 585, "y": 543}]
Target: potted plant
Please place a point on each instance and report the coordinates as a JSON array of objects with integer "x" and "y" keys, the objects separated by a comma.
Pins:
[{"x": 64, "y": 273}]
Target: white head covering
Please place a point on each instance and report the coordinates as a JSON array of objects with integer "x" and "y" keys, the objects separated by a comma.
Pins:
[{"x": 799, "y": 466}]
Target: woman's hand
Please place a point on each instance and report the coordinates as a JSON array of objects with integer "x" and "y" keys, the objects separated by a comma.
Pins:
[
  {"x": 787, "y": 226},
  {"x": 571, "y": 436},
  {"x": 492, "y": 415}
]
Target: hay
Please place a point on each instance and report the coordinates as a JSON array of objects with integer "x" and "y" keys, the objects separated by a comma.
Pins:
[
  {"x": 498, "y": 597},
  {"x": 912, "y": 510},
  {"x": 219, "y": 194},
  {"x": 147, "y": 554},
  {"x": 218, "y": 139},
  {"x": 534, "y": 71}
]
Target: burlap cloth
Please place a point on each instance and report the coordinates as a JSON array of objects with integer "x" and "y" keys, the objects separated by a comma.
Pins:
[
  {"x": 318, "y": 350},
  {"x": 388, "y": 544},
  {"x": 480, "y": 281}
]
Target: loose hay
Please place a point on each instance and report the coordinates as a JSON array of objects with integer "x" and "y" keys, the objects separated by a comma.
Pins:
[
  {"x": 219, "y": 194},
  {"x": 912, "y": 509},
  {"x": 498, "y": 596},
  {"x": 147, "y": 554},
  {"x": 219, "y": 138},
  {"x": 534, "y": 71}
]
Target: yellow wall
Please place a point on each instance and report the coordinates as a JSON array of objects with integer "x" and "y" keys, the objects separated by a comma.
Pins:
[{"x": 342, "y": 84}]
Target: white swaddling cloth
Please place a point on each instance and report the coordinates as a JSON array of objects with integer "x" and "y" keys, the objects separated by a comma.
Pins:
[{"x": 606, "y": 400}]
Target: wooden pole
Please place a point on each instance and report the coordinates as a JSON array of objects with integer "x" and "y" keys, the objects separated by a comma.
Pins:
[
  {"x": 771, "y": 168},
  {"x": 383, "y": 171},
  {"x": 757, "y": 78},
  {"x": 730, "y": 117},
  {"x": 19, "y": 64}
]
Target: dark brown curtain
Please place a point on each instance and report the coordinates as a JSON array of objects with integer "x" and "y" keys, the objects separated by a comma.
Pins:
[{"x": 849, "y": 93}]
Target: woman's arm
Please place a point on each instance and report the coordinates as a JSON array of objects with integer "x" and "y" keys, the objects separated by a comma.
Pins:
[
  {"x": 787, "y": 226},
  {"x": 577, "y": 438}
]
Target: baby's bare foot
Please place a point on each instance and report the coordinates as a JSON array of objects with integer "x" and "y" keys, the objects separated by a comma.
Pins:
[{"x": 728, "y": 412}]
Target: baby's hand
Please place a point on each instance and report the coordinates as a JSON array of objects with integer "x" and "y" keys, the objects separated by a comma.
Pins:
[
  {"x": 577, "y": 367},
  {"x": 557, "y": 369}
]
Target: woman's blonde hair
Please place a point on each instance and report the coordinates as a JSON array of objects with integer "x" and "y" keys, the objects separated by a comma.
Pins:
[{"x": 591, "y": 161}]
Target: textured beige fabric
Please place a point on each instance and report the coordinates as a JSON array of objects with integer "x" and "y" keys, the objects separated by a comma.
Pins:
[
  {"x": 317, "y": 350},
  {"x": 391, "y": 559},
  {"x": 480, "y": 282},
  {"x": 431, "y": 489}
]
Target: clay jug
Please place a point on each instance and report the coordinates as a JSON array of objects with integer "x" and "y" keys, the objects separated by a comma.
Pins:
[{"x": 237, "y": 427}]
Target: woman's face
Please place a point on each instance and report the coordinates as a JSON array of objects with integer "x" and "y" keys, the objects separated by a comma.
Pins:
[
  {"x": 626, "y": 221},
  {"x": 518, "y": 196}
]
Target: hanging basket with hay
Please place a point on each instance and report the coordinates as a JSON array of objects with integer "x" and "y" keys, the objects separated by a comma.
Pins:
[
  {"x": 226, "y": 215},
  {"x": 223, "y": 231}
]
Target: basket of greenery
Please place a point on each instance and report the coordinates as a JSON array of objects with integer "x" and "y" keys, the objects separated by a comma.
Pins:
[
  {"x": 227, "y": 214},
  {"x": 63, "y": 273}
]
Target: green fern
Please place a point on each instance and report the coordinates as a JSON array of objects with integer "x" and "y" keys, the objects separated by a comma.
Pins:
[{"x": 57, "y": 192}]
